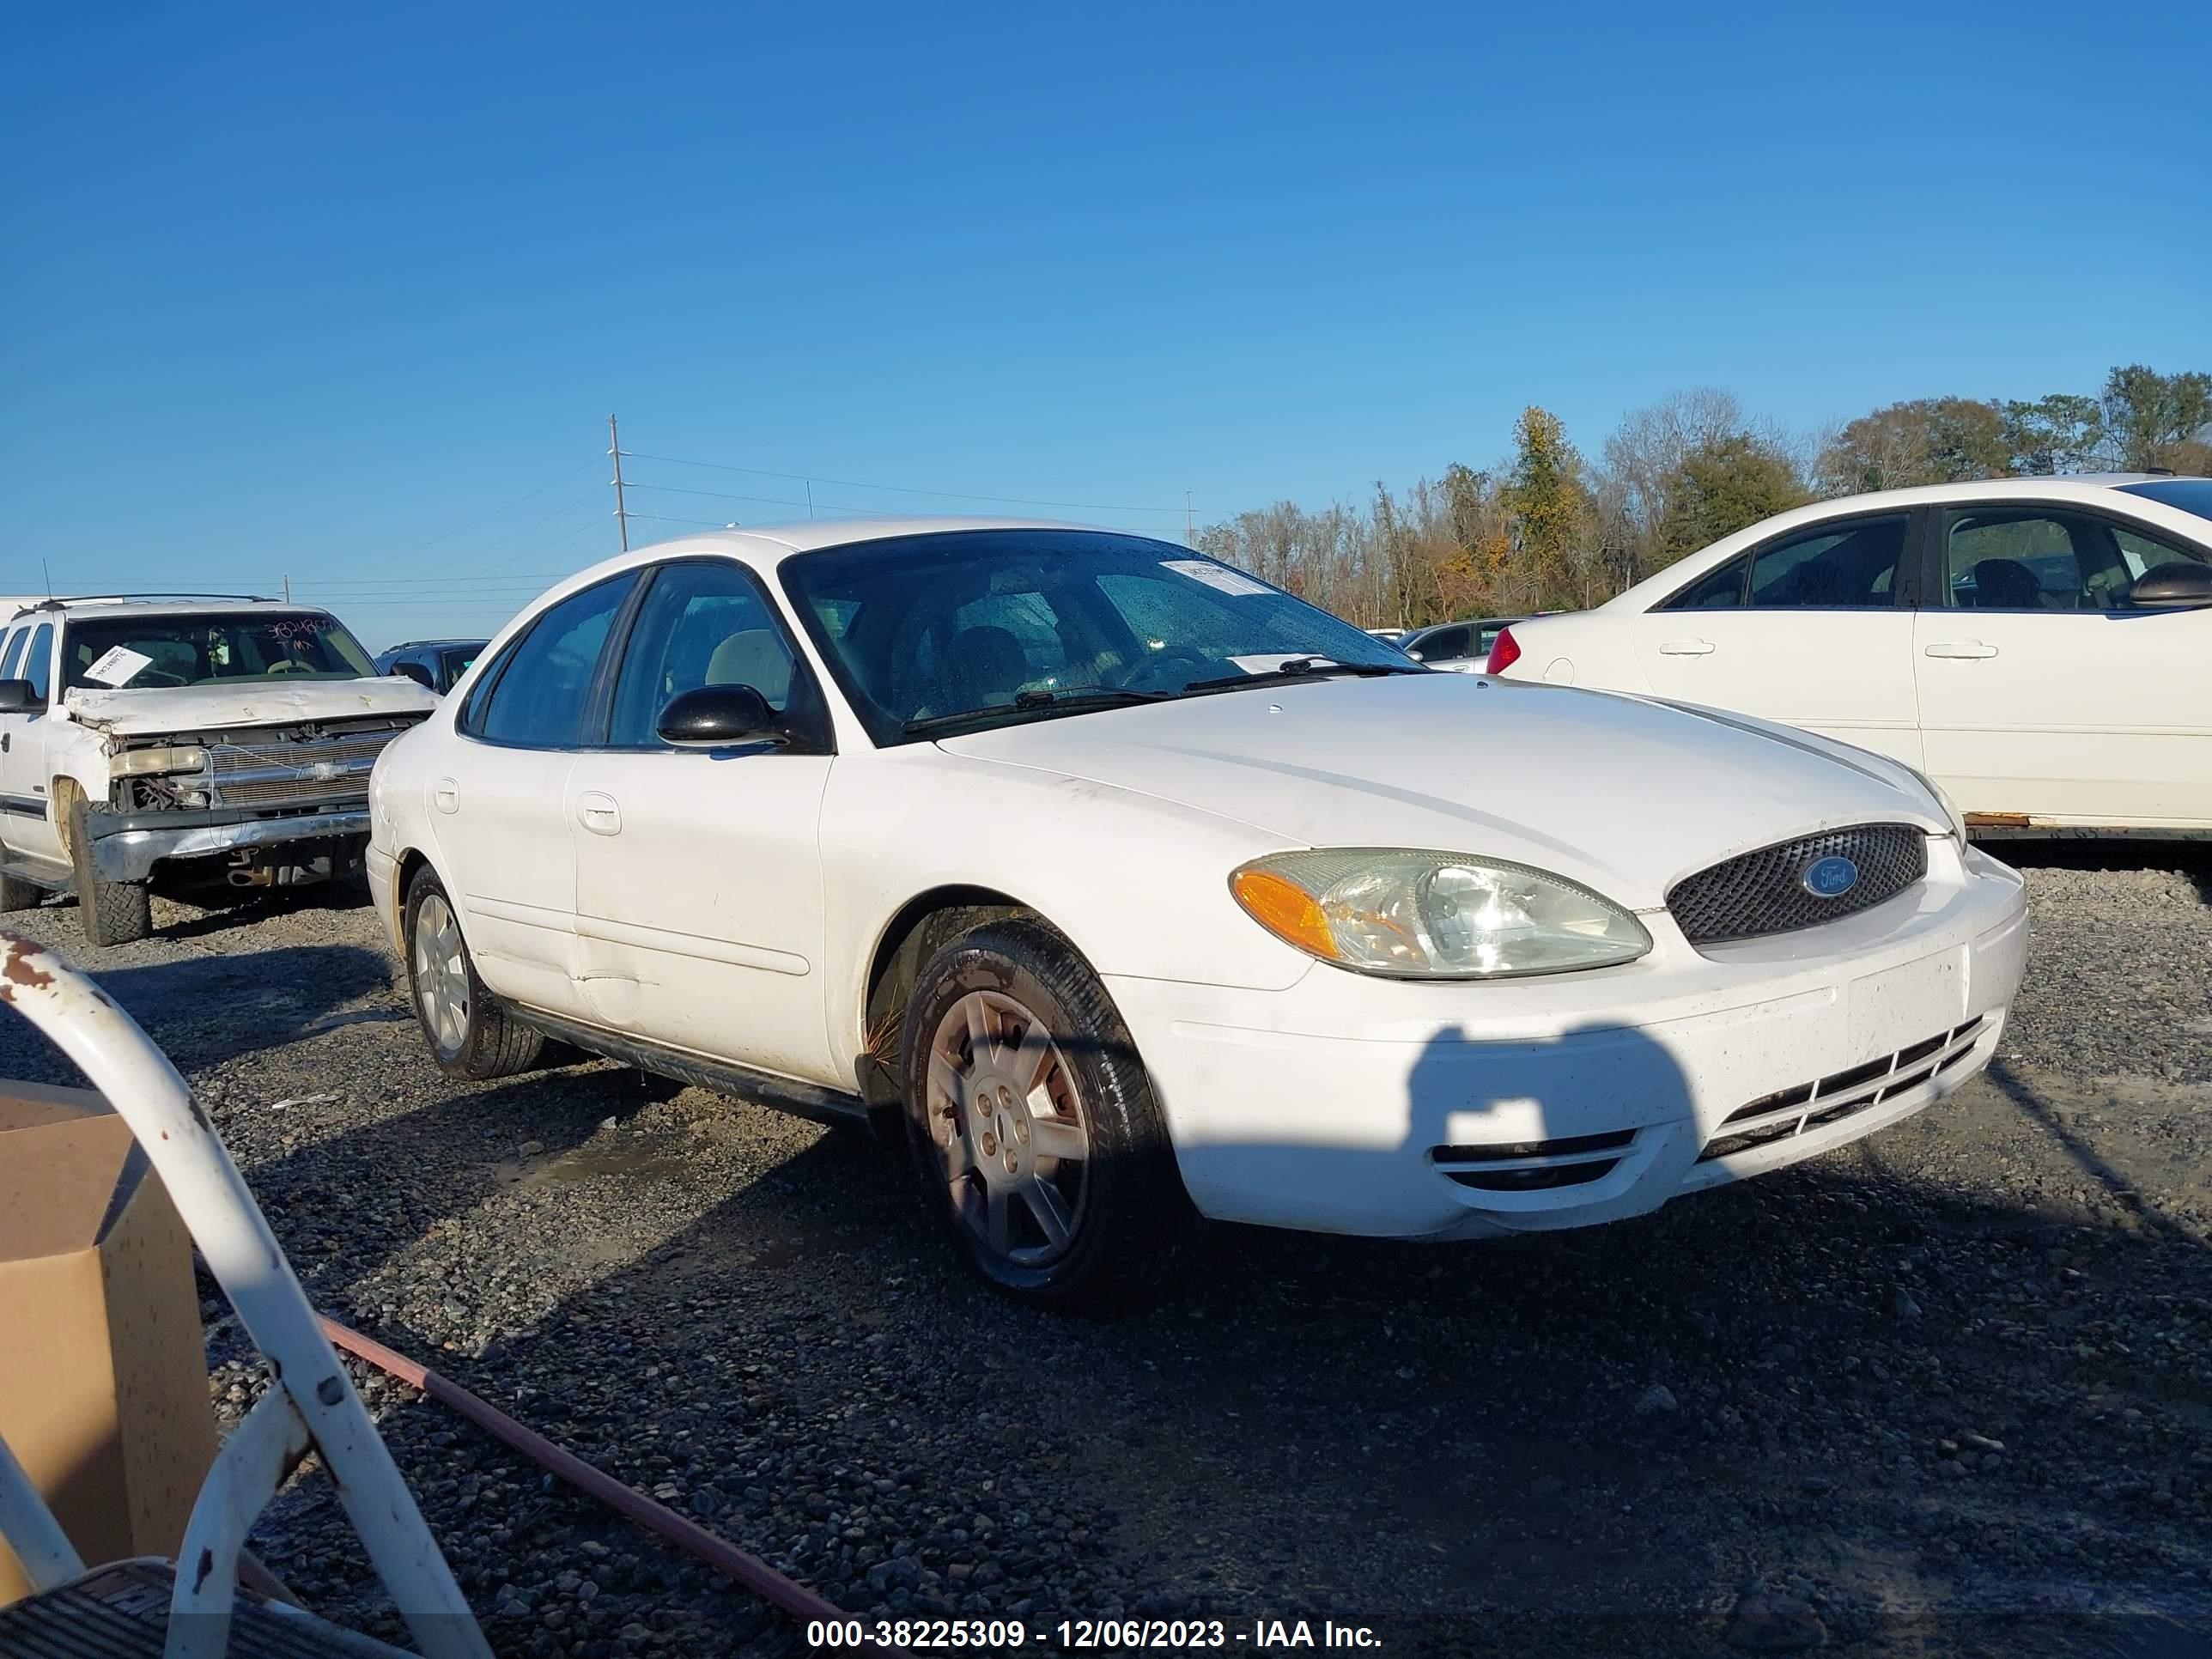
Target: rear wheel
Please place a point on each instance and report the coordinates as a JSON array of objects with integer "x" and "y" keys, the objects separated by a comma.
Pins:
[
  {"x": 1034, "y": 1127},
  {"x": 110, "y": 912},
  {"x": 16, "y": 894},
  {"x": 470, "y": 1034}
]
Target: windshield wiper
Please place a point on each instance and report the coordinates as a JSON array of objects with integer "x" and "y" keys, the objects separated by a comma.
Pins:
[
  {"x": 1303, "y": 668},
  {"x": 1038, "y": 702}
]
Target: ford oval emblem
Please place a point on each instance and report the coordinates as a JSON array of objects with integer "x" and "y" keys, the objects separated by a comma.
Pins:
[{"x": 1830, "y": 878}]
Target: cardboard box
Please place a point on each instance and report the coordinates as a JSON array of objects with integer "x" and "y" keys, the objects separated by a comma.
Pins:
[{"x": 103, "y": 1372}]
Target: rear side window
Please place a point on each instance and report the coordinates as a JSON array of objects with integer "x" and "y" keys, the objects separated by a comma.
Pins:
[
  {"x": 1716, "y": 590},
  {"x": 13, "y": 653},
  {"x": 1835, "y": 567},
  {"x": 541, "y": 693}
]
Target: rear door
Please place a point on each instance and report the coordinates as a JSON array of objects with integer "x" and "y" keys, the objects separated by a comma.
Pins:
[
  {"x": 1811, "y": 628},
  {"x": 499, "y": 819},
  {"x": 2041, "y": 692},
  {"x": 699, "y": 905}
]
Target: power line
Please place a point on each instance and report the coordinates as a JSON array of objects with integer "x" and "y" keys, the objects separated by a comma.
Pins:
[{"x": 509, "y": 506}]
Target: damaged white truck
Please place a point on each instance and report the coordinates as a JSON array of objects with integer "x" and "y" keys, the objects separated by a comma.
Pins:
[{"x": 177, "y": 745}]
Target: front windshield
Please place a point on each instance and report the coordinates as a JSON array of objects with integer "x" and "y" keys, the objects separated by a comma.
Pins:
[
  {"x": 107, "y": 652},
  {"x": 972, "y": 629}
]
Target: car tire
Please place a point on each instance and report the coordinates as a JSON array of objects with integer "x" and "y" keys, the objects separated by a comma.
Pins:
[
  {"x": 1039, "y": 1142},
  {"x": 110, "y": 912},
  {"x": 470, "y": 1033},
  {"x": 16, "y": 894}
]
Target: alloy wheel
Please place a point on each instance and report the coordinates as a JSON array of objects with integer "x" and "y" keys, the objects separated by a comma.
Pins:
[
  {"x": 1008, "y": 1124},
  {"x": 441, "y": 974}
]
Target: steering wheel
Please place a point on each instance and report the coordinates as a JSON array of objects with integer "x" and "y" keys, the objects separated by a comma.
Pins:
[
  {"x": 1141, "y": 678},
  {"x": 286, "y": 666}
]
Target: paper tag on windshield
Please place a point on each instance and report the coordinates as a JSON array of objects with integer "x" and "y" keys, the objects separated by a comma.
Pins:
[
  {"x": 1219, "y": 577},
  {"x": 117, "y": 666}
]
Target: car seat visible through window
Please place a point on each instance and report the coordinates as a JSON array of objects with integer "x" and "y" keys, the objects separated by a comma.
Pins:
[{"x": 2006, "y": 585}]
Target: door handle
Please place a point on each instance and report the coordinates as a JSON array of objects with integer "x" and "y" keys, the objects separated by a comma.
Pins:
[
  {"x": 1685, "y": 648},
  {"x": 1961, "y": 649},
  {"x": 599, "y": 813},
  {"x": 446, "y": 795}
]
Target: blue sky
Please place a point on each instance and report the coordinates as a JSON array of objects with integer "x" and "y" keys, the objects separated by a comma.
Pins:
[{"x": 347, "y": 294}]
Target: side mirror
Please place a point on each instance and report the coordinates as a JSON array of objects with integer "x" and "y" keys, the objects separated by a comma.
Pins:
[
  {"x": 711, "y": 716},
  {"x": 20, "y": 697},
  {"x": 2176, "y": 586},
  {"x": 415, "y": 672}
]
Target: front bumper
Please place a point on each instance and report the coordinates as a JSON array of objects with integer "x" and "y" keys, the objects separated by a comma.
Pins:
[
  {"x": 127, "y": 847},
  {"x": 1357, "y": 1105}
]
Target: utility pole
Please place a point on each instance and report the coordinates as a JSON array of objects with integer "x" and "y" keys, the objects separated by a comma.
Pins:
[
  {"x": 621, "y": 514},
  {"x": 1189, "y": 523},
  {"x": 288, "y": 590}
]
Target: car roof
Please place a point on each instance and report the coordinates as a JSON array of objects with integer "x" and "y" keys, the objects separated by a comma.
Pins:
[
  {"x": 114, "y": 604},
  {"x": 765, "y": 546},
  {"x": 434, "y": 645},
  {"x": 762, "y": 547}
]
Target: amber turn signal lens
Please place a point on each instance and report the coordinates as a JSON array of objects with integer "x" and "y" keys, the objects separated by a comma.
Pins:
[{"x": 1285, "y": 910}]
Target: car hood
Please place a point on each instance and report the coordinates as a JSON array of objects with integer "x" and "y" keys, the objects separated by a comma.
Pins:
[
  {"x": 1625, "y": 794},
  {"x": 157, "y": 709}
]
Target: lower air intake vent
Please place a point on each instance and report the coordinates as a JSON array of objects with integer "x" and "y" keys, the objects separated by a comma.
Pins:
[
  {"x": 1530, "y": 1166},
  {"x": 1791, "y": 1112}
]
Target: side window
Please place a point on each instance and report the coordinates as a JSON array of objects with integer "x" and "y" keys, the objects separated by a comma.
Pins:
[
  {"x": 2031, "y": 559},
  {"x": 455, "y": 665},
  {"x": 1445, "y": 644},
  {"x": 1832, "y": 566},
  {"x": 2138, "y": 552},
  {"x": 704, "y": 623},
  {"x": 539, "y": 697},
  {"x": 1717, "y": 590},
  {"x": 13, "y": 653},
  {"x": 38, "y": 658}
]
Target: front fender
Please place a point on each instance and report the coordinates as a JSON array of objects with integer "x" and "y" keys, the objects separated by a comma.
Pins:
[{"x": 1137, "y": 884}]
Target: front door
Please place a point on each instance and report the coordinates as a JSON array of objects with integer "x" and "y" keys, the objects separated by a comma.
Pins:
[
  {"x": 699, "y": 907},
  {"x": 1811, "y": 628},
  {"x": 2041, "y": 693},
  {"x": 498, "y": 817},
  {"x": 28, "y": 825}
]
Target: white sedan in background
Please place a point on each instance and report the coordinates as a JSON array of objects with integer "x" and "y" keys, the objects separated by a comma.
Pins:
[
  {"x": 2041, "y": 648},
  {"x": 1129, "y": 890}
]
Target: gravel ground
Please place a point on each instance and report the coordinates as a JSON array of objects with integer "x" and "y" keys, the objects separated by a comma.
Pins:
[{"x": 1946, "y": 1392}]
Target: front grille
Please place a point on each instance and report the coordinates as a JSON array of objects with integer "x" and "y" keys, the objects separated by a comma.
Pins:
[
  {"x": 281, "y": 773},
  {"x": 1764, "y": 892},
  {"x": 1790, "y": 1112},
  {"x": 1531, "y": 1166}
]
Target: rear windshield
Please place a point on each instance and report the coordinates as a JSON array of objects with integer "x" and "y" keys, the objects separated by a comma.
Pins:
[
  {"x": 144, "y": 651},
  {"x": 2189, "y": 495}
]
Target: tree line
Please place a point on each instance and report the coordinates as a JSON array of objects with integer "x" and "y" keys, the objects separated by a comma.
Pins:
[{"x": 1549, "y": 528}]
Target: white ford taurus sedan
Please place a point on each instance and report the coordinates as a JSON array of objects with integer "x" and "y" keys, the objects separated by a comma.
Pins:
[
  {"x": 2042, "y": 647},
  {"x": 1131, "y": 890}
]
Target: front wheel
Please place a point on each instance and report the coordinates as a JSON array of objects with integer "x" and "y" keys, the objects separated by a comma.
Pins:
[
  {"x": 110, "y": 912},
  {"x": 470, "y": 1034},
  {"x": 1034, "y": 1126}
]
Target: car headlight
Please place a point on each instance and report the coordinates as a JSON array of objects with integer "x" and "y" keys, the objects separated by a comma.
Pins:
[
  {"x": 139, "y": 762},
  {"x": 1434, "y": 915},
  {"x": 1943, "y": 800}
]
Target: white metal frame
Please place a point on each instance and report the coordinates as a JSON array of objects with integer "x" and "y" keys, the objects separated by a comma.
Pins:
[{"x": 311, "y": 1403}]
